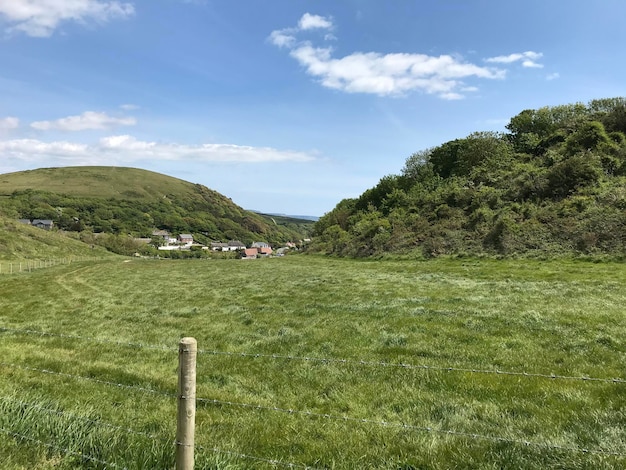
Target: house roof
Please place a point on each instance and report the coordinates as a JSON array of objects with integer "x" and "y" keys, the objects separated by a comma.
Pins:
[
  {"x": 250, "y": 252},
  {"x": 235, "y": 243}
]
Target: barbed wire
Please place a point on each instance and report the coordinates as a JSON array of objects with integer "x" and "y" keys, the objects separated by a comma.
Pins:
[
  {"x": 151, "y": 436},
  {"x": 61, "y": 449},
  {"x": 330, "y": 416},
  {"x": 412, "y": 366},
  {"x": 411, "y": 427},
  {"x": 323, "y": 360},
  {"x": 90, "y": 379},
  {"x": 88, "y": 338},
  {"x": 97, "y": 422}
]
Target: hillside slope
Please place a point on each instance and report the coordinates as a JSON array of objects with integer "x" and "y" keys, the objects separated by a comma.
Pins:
[
  {"x": 133, "y": 201},
  {"x": 555, "y": 183},
  {"x": 23, "y": 242}
]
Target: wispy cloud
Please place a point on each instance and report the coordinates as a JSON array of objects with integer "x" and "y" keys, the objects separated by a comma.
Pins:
[
  {"x": 9, "y": 123},
  {"x": 125, "y": 149},
  {"x": 309, "y": 21},
  {"x": 553, "y": 76},
  {"x": 40, "y": 18},
  {"x": 389, "y": 74},
  {"x": 87, "y": 120},
  {"x": 283, "y": 38},
  {"x": 528, "y": 59},
  {"x": 286, "y": 37}
]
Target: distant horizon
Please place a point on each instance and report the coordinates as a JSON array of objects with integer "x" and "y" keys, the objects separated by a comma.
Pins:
[{"x": 313, "y": 218}]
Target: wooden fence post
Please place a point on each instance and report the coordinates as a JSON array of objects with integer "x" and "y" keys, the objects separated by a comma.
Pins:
[{"x": 186, "y": 419}]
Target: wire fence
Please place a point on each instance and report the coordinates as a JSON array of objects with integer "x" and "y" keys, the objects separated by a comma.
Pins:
[
  {"x": 305, "y": 413},
  {"x": 27, "y": 266},
  {"x": 325, "y": 360}
]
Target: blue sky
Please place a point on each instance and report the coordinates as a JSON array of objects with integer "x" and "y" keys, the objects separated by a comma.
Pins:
[{"x": 287, "y": 106}]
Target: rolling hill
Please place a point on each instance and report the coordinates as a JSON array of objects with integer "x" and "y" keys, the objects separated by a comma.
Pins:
[
  {"x": 554, "y": 184},
  {"x": 131, "y": 201}
]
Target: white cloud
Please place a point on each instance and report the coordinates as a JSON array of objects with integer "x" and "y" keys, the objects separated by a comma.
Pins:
[
  {"x": 451, "y": 96},
  {"x": 124, "y": 149},
  {"x": 9, "y": 123},
  {"x": 309, "y": 21},
  {"x": 282, "y": 38},
  {"x": 129, "y": 107},
  {"x": 528, "y": 58},
  {"x": 286, "y": 37},
  {"x": 531, "y": 64},
  {"x": 87, "y": 120},
  {"x": 40, "y": 18},
  {"x": 389, "y": 74},
  {"x": 553, "y": 76}
]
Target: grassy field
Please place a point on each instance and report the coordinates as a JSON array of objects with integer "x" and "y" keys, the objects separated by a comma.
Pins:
[{"x": 98, "y": 391}]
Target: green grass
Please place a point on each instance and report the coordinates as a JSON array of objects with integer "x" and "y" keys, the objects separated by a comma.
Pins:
[
  {"x": 21, "y": 242},
  {"x": 96, "y": 181},
  {"x": 555, "y": 317}
]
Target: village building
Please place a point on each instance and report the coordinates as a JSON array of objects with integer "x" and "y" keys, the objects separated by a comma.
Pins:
[
  {"x": 45, "y": 224},
  {"x": 185, "y": 239}
]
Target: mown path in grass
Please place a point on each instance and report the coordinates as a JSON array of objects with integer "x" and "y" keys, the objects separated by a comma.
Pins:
[{"x": 346, "y": 364}]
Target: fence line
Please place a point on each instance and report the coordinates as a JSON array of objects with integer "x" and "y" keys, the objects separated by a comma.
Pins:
[
  {"x": 60, "y": 449},
  {"x": 89, "y": 379},
  {"x": 144, "y": 434},
  {"x": 129, "y": 431},
  {"x": 414, "y": 366},
  {"x": 23, "y": 266},
  {"x": 88, "y": 338},
  {"x": 344, "y": 418},
  {"x": 322, "y": 360},
  {"x": 83, "y": 418},
  {"x": 412, "y": 427}
]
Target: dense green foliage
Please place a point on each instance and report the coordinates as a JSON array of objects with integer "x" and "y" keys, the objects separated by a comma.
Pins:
[
  {"x": 102, "y": 319},
  {"x": 554, "y": 183},
  {"x": 123, "y": 201}
]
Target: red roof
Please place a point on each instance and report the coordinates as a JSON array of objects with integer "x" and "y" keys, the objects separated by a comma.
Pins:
[{"x": 250, "y": 252}]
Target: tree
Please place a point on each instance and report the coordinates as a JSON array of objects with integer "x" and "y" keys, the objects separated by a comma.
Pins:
[{"x": 567, "y": 176}]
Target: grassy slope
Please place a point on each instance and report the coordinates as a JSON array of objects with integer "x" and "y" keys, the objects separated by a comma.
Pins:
[
  {"x": 560, "y": 317},
  {"x": 22, "y": 242},
  {"x": 96, "y": 181}
]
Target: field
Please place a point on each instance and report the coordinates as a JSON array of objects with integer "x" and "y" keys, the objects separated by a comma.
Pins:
[{"x": 310, "y": 362}]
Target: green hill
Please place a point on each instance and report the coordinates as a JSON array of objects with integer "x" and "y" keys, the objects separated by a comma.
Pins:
[
  {"x": 554, "y": 184},
  {"x": 130, "y": 201},
  {"x": 23, "y": 242}
]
